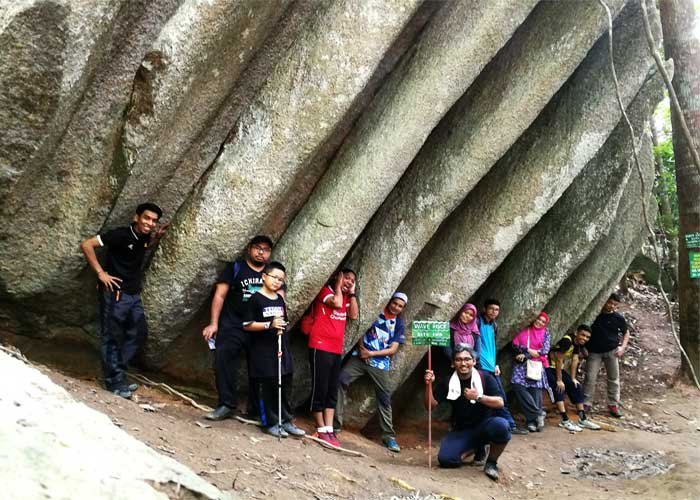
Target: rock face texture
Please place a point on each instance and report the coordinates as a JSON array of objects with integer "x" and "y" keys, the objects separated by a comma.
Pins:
[
  {"x": 54, "y": 447},
  {"x": 449, "y": 149}
]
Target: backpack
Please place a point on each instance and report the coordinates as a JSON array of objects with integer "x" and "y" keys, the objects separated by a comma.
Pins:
[{"x": 307, "y": 321}]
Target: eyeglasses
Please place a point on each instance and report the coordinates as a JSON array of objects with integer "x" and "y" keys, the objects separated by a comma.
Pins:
[
  {"x": 463, "y": 360},
  {"x": 276, "y": 278},
  {"x": 260, "y": 249}
]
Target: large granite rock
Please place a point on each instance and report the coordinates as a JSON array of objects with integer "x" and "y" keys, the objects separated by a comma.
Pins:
[
  {"x": 54, "y": 447},
  {"x": 274, "y": 139},
  {"x": 419, "y": 141},
  {"x": 452, "y": 50},
  {"x": 522, "y": 187}
]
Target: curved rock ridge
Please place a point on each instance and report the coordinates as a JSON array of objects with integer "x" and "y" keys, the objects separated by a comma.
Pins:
[
  {"x": 452, "y": 50},
  {"x": 507, "y": 97},
  {"x": 274, "y": 139},
  {"x": 447, "y": 149},
  {"x": 187, "y": 73},
  {"x": 566, "y": 235}
]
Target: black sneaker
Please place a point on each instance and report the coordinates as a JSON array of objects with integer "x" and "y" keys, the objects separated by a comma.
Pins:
[
  {"x": 491, "y": 470},
  {"x": 221, "y": 413}
]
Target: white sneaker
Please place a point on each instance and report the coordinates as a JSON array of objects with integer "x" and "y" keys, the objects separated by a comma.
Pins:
[
  {"x": 570, "y": 426},
  {"x": 588, "y": 424}
]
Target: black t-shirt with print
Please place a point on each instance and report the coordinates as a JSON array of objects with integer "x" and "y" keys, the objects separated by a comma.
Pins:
[
  {"x": 263, "y": 344},
  {"x": 607, "y": 329},
  {"x": 243, "y": 282},
  {"x": 125, "y": 252},
  {"x": 466, "y": 415}
]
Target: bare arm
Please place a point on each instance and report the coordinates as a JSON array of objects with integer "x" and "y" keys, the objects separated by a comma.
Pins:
[
  {"x": 429, "y": 401},
  {"x": 354, "y": 309},
  {"x": 493, "y": 402},
  {"x": 574, "y": 368},
  {"x": 259, "y": 326},
  {"x": 88, "y": 247},
  {"x": 623, "y": 347},
  {"x": 217, "y": 303},
  {"x": 559, "y": 356}
]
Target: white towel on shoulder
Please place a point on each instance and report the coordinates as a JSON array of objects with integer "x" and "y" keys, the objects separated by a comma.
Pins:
[{"x": 454, "y": 388}]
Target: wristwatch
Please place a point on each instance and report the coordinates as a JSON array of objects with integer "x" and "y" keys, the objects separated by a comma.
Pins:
[
  {"x": 268, "y": 325},
  {"x": 478, "y": 399}
]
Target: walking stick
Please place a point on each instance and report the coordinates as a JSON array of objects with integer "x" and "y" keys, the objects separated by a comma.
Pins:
[
  {"x": 279, "y": 384},
  {"x": 430, "y": 415}
]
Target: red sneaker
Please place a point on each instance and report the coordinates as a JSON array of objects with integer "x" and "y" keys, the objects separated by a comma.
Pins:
[
  {"x": 614, "y": 411},
  {"x": 333, "y": 439},
  {"x": 323, "y": 436}
]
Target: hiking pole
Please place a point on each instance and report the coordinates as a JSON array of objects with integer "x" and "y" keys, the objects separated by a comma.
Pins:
[
  {"x": 430, "y": 416},
  {"x": 280, "y": 332}
]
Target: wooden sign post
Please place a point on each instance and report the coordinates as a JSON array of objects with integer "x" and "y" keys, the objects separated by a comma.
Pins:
[{"x": 430, "y": 333}]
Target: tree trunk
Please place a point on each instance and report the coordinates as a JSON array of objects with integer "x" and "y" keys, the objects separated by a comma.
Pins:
[
  {"x": 666, "y": 214},
  {"x": 679, "y": 21}
]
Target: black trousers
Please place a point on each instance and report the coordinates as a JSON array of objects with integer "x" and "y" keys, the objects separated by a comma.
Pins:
[
  {"x": 123, "y": 330},
  {"x": 229, "y": 348},
  {"x": 325, "y": 379},
  {"x": 268, "y": 404}
]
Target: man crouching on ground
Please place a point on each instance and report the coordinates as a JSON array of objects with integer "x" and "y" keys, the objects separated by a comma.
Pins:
[{"x": 472, "y": 394}]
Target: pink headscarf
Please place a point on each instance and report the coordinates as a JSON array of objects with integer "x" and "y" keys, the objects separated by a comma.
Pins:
[
  {"x": 464, "y": 333},
  {"x": 537, "y": 336}
]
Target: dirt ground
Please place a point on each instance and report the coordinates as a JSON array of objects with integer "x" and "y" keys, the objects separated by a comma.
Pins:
[{"x": 661, "y": 429}]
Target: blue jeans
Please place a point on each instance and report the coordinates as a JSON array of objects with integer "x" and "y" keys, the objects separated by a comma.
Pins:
[
  {"x": 123, "y": 330},
  {"x": 490, "y": 430}
]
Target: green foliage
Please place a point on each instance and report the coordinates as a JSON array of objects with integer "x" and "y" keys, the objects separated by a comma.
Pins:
[{"x": 666, "y": 182}]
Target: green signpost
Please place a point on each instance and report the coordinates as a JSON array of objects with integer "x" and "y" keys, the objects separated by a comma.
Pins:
[
  {"x": 692, "y": 240},
  {"x": 694, "y": 264},
  {"x": 430, "y": 333}
]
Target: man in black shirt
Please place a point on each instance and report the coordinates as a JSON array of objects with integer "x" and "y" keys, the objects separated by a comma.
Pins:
[
  {"x": 473, "y": 395},
  {"x": 234, "y": 288},
  {"x": 123, "y": 328},
  {"x": 608, "y": 343}
]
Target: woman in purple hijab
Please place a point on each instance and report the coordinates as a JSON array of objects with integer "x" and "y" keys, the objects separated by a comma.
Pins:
[{"x": 464, "y": 329}]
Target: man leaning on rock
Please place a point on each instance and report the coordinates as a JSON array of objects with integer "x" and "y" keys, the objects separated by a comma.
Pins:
[{"x": 123, "y": 328}]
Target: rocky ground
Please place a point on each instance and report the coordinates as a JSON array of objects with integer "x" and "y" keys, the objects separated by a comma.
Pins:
[{"x": 652, "y": 451}]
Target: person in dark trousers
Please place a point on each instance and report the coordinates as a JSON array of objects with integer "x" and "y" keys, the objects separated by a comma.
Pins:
[
  {"x": 334, "y": 304},
  {"x": 372, "y": 357},
  {"x": 571, "y": 349},
  {"x": 609, "y": 339},
  {"x": 123, "y": 327},
  {"x": 473, "y": 395},
  {"x": 234, "y": 288},
  {"x": 266, "y": 319},
  {"x": 488, "y": 329}
]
